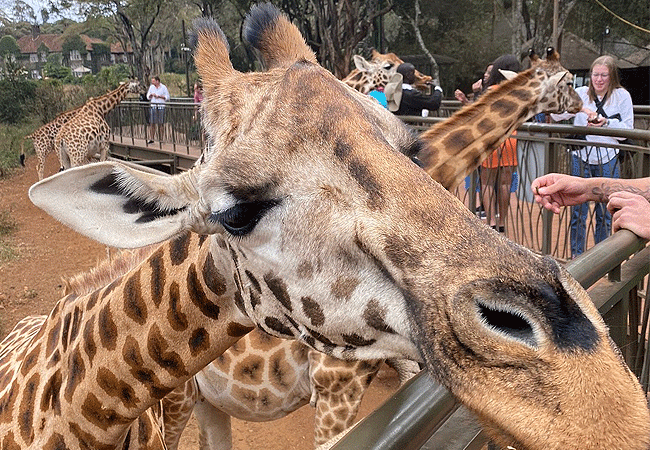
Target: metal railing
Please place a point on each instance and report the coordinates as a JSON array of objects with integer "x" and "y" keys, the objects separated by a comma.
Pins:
[{"x": 424, "y": 415}]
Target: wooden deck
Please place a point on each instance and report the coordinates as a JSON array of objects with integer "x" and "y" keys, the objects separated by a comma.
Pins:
[{"x": 168, "y": 156}]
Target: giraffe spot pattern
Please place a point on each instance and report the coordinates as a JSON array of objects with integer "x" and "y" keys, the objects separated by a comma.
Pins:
[
  {"x": 144, "y": 430},
  {"x": 197, "y": 295},
  {"x": 374, "y": 316},
  {"x": 485, "y": 125},
  {"x": 279, "y": 327},
  {"x": 357, "y": 341},
  {"x": 343, "y": 287},
  {"x": 9, "y": 443},
  {"x": 116, "y": 388},
  {"x": 92, "y": 300},
  {"x": 133, "y": 358},
  {"x": 199, "y": 341},
  {"x": 160, "y": 352},
  {"x": 50, "y": 400},
  {"x": 313, "y": 311},
  {"x": 65, "y": 330},
  {"x": 134, "y": 305},
  {"x": 279, "y": 290},
  {"x": 281, "y": 374},
  {"x": 305, "y": 270},
  {"x": 76, "y": 323},
  {"x": 75, "y": 373},
  {"x": 55, "y": 442},
  {"x": 523, "y": 95},
  {"x": 107, "y": 328},
  {"x": 462, "y": 138},
  {"x": 26, "y": 409},
  {"x": 30, "y": 360},
  {"x": 237, "y": 330},
  {"x": 89, "y": 340},
  {"x": 53, "y": 336},
  {"x": 157, "y": 276},
  {"x": 250, "y": 370},
  {"x": 401, "y": 253},
  {"x": 7, "y": 404},
  {"x": 179, "y": 249},
  {"x": 214, "y": 280},
  {"x": 261, "y": 400},
  {"x": 177, "y": 319},
  {"x": 96, "y": 413},
  {"x": 503, "y": 107}
]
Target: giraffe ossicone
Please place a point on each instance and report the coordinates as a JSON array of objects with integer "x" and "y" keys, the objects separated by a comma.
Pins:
[{"x": 323, "y": 231}]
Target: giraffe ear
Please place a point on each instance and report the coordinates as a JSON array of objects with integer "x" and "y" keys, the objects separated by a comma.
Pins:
[
  {"x": 508, "y": 74},
  {"x": 361, "y": 63},
  {"x": 555, "y": 79},
  {"x": 118, "y": 205}
]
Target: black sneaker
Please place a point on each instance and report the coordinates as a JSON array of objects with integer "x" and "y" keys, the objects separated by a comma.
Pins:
[{"x": 149, "y": 142}]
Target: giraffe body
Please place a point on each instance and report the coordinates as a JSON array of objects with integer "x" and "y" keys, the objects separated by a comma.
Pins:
[
  {"x": 87, "y": 133},
  {"x": 314, "y": 228},
  {"x": 43, "y": 139}
]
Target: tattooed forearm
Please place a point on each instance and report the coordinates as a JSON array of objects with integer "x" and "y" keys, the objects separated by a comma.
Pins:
[{"x": 603, "y": 191}]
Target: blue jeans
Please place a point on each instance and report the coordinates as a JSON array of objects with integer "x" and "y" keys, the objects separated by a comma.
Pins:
[{"x": 579, "y": 213}]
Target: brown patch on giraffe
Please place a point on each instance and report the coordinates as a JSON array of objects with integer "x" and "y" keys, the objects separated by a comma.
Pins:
[
  {"x": 53, "y": 336},
  {"x": 56, "y": 442},
  {"x": 89, "y": 340},
  {"x": 111, "y": 287},
  {"x": 178, "y": 249},
  {"x": 160, "y": 352},
  {"x": 313, "y": 311},
  {"x": 76, "y": 371},
  {"x": 459, "y": 139},
  {"x": 197, "y": 295},
  {"x": 344, "y": 287},
  {"x": 76, "y": 323},
  {"x": 522, "y": 94},
  {"x": 375, "y": 315},
  {"x": 107, "y": 328},
  {"x": 7, "y": 404},
  {"x": 278, "y": 326},
  {"x": 202, "y": 239},
  {"x": 305, "y": 270},
  {"x": 485, "y": 125},
  {"x": 88, "y": 439},
  {"x": 503, "y": 107},
  {"x": 250, "y": 370},
  {"x": 9, "y": 443},
  {"x": 144, "y": 430},
  {"x": 214, "y": 280},
  {"x": 96, "y": 413},
  {"x": 30, "y": 360},
  {"x": 116, "y": 388},
  {"x": 177, "y": 319},
  {"x": 65, "y": 330},
  {"x": 26, "y": 408},
  {"x": 237, "y": 329},
  {"x": 257, "y": 400},
  {"x": 357, "y": 341},
  {"x": 199, "y": 341},
  {"x": 401, "y": 253},
  {"x": 133, "y": 358},
  {"x": 54, "y": 359},
  {"x": 51, "y": 400},
  {"x": 281, "y": 373},
  {"x": 279, "y": 290},
  {"x": 134, "y": 305},
  {"x": 157, "y": 265}
]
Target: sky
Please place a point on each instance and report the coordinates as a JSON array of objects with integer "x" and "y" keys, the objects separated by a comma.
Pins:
[{"x": 8, "y": 6}]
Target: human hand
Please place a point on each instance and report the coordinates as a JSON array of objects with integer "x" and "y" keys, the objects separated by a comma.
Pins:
[
  {"x": 460, "y": 96},
  {"x": 630, "y": 211},
  {"x": 477, "y": 86},
  {"x": 555, "y": 190},
  {"x": 597, "y": 121}
]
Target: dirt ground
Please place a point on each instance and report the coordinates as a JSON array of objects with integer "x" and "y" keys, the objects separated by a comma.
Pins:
[{"x": 47, "y": 251}]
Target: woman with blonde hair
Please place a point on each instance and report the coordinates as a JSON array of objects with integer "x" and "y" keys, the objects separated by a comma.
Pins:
[{"x": 605, "y": 104}]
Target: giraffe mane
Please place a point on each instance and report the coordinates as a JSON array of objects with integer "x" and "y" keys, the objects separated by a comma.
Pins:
[{"x": 106, "y": 271}]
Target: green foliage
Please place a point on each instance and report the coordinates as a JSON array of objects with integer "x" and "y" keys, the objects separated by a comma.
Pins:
[
  {"x": 73, "y": 42},
  {"x": 48, "y": 102},
  {"x": 113, "y": 75},
  {"x": 16, "y": 94},
  {"x": 54, "y": 69},
  {"x": 8, "y": 46},
  {"x": 11, "y": 138}
]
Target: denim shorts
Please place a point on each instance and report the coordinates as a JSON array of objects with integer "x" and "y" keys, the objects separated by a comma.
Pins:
[{"x": 157, "y": 114}]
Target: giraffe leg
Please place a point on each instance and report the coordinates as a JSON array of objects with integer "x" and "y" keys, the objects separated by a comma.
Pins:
[
  {"x": 64, "y": 157},
  {"x": 214, "y": 426},
  {"x": 40, "y": 165},
  {"x": 177, "y": 410},
  {"x": 103, "y": 150}
]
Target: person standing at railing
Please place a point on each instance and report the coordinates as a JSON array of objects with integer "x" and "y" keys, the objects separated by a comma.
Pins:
[
  {"x": 158, "y": 95},
  {"x": 627, "y": 200},
  {"x": 605, "y": 104}
]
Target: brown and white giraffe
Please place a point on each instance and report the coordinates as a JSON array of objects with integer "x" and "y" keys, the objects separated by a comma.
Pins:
[
  {"x": 87, "y": 133},
  {"x": 43, "y": 139},
  {"x": 260, "y": 378},
  {"x": 377, "y": 72},
  {"x": 323, "y": 231},
  {"x": 455, "y": 147}
]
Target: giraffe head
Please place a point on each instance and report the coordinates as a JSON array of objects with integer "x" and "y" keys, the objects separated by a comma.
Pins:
[
  {"x": 337, "y": 239},
  {"x": 377, "y": 72}
]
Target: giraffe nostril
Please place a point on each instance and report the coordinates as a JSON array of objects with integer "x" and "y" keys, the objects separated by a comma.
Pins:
[{"x": 508, "y": 323}]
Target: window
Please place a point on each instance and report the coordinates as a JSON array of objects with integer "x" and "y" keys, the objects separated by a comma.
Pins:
[
  {"x": 88, "y": 56},
  {"x": 125, "y": 58},
  {"x": 36, "y": 74},
  {"x": 112, "y": 58},
  {"x": 75, "y": 55},
  {"x": 43, "y": 57},
  {"x": 33, "y": 58}
]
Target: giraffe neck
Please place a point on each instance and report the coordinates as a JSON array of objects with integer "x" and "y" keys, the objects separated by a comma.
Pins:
[
  {"x": 110, "y": 100},
  {"x": 355, "y": 79},
  {"x": 458, "y": 145},
  {"x": 102, "y": 359}
]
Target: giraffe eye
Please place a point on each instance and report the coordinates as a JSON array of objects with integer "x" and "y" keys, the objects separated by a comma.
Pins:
[{"x": 242, "y": 218}]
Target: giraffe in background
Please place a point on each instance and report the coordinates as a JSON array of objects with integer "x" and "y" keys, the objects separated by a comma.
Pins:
[
  {"x": 43, "y": 140},
  {"x": 315, "y": 230},
  {"x": 87, "y": 132}
]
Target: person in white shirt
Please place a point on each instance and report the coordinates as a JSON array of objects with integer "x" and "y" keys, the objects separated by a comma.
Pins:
[
  {"x": 158, "y": 95},
  {"x": 605, "y": 104}
]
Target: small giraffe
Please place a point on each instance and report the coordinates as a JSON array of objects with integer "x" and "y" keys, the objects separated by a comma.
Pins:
[
  {"x": 322, "y": 230},
  {"x": 260, "y": 378},
  {"x": 87, "y": 132},
  {"x": 455, "y": 147},
  {"x": 43, "y": 139},
  {"x": 377, "y": 72}
]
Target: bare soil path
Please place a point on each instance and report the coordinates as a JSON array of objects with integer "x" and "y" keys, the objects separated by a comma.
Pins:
[{"x": 47, "y": 251}]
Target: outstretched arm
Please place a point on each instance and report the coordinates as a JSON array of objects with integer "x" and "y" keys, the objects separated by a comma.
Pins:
[{"x": 555, "y": 190}]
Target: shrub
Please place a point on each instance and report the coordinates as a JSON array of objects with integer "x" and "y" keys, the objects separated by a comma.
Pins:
[{"x": 16, "y": 93}]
